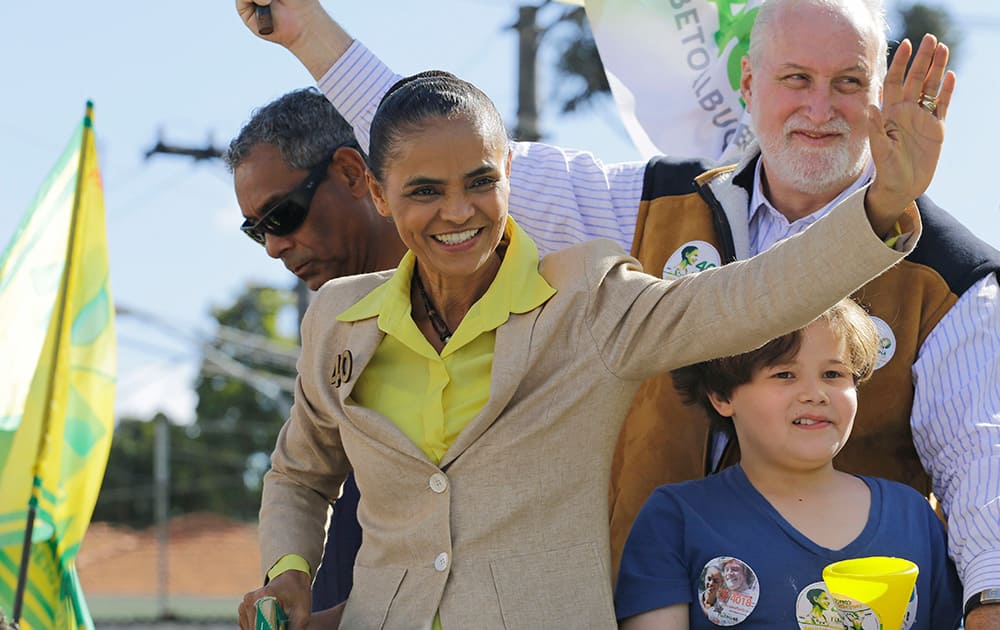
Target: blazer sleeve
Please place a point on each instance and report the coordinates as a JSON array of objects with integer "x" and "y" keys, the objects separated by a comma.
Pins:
[
  {"x": 643, "y": 325},
  {"x": 308, "y": 464}
]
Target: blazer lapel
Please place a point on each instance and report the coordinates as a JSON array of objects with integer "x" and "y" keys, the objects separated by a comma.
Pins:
[
  {"x": 362, "y": 342},
  {"x": 510, "y": 358}
]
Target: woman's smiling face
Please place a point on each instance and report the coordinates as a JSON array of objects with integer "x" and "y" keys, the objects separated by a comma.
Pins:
[{"x": 446, "y": 186}]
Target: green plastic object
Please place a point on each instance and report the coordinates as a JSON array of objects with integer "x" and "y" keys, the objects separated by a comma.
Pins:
[{"x": 270, "y": 615}]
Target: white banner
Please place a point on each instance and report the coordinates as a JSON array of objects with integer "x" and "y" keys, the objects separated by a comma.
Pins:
[{"x": 674, "y": 70}]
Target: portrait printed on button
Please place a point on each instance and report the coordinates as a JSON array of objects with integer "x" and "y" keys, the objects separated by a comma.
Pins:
[
  {"x": 691, "y": 257},
  {"x": 816, "y": 609},
  {"x": 886, "y": 342},
  {"x": 728, "y": 591}
]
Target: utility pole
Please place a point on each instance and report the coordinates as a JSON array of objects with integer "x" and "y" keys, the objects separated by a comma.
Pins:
[
  {"x": 161, "y": 490},
  {"x": 302, "y": 297},
  {"x": 210, "y": 152},
  {"x": 529, "y": 36}
]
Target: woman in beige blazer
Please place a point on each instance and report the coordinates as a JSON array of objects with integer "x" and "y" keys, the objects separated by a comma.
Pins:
[{"x": 505, "y": 525}]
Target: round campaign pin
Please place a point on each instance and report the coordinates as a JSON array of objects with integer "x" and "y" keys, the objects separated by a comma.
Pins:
[
  {"x": 691, "y": 257},
  {"x": 886, "y": 342},
  {"x": 816, "y": 609},
  {"x": 728, "y": 590}
]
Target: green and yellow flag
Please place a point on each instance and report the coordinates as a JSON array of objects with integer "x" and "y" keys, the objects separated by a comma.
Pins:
[{"x": 57, "y": 378}]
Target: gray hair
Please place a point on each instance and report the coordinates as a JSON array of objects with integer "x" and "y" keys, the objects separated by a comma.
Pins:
[
  {"x": 876, "y": 23},
  {"x": 303, "y": 124}
]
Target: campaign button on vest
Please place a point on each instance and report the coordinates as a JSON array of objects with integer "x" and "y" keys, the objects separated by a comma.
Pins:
[
  {"x": 691, "y": 257},
  {"x": 886, "y": 342}
]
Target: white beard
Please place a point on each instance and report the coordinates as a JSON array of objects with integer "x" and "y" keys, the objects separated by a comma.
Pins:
[{"x": 814, "y": 170}]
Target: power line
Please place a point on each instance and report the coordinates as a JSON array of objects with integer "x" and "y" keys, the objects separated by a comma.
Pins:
[
  {"x": 141, "y": 345},
  {"x": 220, "y": 354}
]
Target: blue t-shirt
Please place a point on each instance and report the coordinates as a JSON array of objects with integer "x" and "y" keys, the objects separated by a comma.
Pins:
[{"x": 717, "y": 544}]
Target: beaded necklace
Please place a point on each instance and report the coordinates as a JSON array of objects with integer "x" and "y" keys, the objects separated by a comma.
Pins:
[{"x": 440, "y": 326}]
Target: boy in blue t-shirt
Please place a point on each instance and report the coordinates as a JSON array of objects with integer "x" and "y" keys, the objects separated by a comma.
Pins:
[{"x": 747, "y": 546}]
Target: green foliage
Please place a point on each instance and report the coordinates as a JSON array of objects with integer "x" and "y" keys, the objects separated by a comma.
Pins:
[
  {"x": 207, "y": 474},
  {"x": 127, "y": 492},
  {"x": 920, "y": 18},
  {"x": 580, "y": 78},
  {"x": 216, "y": 464},
  {"x": 256, "y": 310}
]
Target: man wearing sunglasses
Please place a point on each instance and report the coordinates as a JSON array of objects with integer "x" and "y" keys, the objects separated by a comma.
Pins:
[
  {"x": 285, "y": 216},
  {"x": 300, "y": 183}
]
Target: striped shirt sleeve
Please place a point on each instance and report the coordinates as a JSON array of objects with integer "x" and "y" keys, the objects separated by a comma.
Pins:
[
  {"x": 956, "y": 429},
  {"x": 355, "y": 84},
  {"x": 559, "y": 196}
]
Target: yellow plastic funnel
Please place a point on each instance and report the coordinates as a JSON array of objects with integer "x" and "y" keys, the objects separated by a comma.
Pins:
[{"x": 882, "y": 583}]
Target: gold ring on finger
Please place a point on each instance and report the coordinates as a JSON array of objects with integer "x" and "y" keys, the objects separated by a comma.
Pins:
[{"x": 927, "y": 102}]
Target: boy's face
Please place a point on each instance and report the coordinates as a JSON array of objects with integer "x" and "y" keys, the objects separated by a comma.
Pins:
[{"x": 796, "y": 415}]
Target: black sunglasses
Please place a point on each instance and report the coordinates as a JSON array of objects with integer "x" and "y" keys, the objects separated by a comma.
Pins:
[{"x": 288, "y": 213}]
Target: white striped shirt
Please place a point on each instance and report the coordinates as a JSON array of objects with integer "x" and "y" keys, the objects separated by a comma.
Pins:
[
  {"x": 562, "y": 197},
  {"x": 767, "y": 226}
]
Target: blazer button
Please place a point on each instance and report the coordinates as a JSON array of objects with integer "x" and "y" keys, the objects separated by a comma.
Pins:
[
  {"x": 438, "y": 483},
  {"x": 441, "y": 562}
]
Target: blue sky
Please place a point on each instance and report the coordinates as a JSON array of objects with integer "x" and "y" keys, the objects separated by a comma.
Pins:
[{"x": 192, "y": 73}]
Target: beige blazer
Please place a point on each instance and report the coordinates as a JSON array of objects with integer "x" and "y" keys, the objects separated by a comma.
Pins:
[{"x": 511, "y": 529}]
